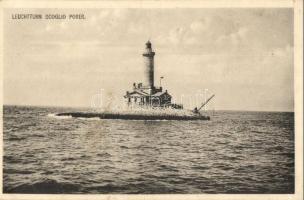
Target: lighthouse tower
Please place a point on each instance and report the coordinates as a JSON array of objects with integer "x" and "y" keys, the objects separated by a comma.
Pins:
[
  {"x": 148, "y": 55},
  {"x": 146, "y": 94}
]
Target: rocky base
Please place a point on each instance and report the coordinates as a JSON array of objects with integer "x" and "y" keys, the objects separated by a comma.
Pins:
[{"x": 132, "y": 116}]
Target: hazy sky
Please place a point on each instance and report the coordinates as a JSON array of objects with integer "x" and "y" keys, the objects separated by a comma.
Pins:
[{"x": 243, "y": 56}]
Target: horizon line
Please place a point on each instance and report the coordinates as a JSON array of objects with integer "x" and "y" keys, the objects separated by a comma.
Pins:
[{"x": 87, "y": 107}]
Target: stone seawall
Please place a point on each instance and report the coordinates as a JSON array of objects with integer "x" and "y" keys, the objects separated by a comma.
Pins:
[{"x": 133, "y": 116}]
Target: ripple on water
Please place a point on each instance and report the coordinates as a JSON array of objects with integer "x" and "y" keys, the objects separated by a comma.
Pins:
[
  {"x": 234, "y": 152},
  {"x": 47, "y": 186}
]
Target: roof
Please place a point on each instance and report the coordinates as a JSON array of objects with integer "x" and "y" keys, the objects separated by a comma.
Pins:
[
  {"x": 143, "y": 94},
  {"x": 137, "y": 93}
]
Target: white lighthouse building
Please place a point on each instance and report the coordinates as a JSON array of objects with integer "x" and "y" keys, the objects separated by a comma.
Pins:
[
  {"x": 149, "y": 67},
  {"x": 145, "y": 93}
]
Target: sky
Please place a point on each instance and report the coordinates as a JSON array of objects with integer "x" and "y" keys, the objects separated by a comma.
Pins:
[{"x": 243, "y": 56}]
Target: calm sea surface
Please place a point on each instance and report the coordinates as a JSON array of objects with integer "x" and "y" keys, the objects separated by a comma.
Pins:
[{"x": 234, "y": 152}]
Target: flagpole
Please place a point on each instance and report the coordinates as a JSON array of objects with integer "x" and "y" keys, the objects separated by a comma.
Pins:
[{"x": 160, "y": 80}]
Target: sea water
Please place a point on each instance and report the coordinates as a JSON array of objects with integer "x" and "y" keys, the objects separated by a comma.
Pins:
[{"x": 234, "y": 152}]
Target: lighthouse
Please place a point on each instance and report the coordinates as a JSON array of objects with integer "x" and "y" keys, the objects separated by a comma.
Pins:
[
  {"x": 146, "y": 94},
  {"x": 148, "y": 55}
]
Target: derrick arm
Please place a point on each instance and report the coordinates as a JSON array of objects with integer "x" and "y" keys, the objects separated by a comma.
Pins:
[{"x": 205, "y": 103}]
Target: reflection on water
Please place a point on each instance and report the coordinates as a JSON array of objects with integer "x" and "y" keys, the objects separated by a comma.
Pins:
[{"x": 234, "y": 152}]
